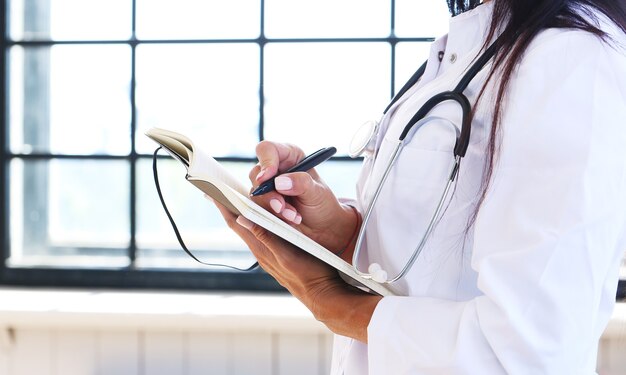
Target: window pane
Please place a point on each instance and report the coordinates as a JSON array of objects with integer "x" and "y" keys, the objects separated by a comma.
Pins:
[
  {"x": 423, "y": 18},
  {"x": 209, "y": 91},
  {"x": 67, "y": 212},
  {"x": 317, "y": 94},
  {"x": 340, "y": 176},
  {"x": 199, "y": 222},
  {"x": 327, "y": 18},
  {"x": 409, "y": 57},
  {"x": 70, "y": 99},
  {"x": 70, "y": 19},
  {"x": 198, "y": 19}
]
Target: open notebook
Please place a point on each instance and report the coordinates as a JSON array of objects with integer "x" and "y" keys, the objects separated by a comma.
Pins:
[{"x": 208, "y": 175}]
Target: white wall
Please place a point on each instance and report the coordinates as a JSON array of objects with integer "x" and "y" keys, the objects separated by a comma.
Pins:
[
  {"x": 91, "y": 332},
  {"x": 57, "y": 351},
  {"x": 87, "y": 333}
]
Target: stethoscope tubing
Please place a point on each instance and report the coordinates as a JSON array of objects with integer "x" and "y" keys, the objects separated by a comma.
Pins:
[
  {"x": 431, "y": 225},
  {"x": 460, "y": 149},
  {"x": 462, "y": 141}
]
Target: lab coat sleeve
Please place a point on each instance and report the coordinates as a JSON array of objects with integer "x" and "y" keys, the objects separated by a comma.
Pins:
[{"x": 548, "y": 239}]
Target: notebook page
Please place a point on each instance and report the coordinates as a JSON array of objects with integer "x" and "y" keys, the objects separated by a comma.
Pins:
[{"x": 204, "y": 166}]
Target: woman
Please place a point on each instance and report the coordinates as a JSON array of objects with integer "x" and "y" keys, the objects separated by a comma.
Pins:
[{"x": 520, "y": 273}]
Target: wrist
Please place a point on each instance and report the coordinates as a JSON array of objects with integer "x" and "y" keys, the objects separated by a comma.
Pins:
[
  {"x": 347, "y": 312},
  {"x": 346, "y": 250}
]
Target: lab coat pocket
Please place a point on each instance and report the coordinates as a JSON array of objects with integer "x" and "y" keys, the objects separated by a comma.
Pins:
[{"x": 417, "y": 180}]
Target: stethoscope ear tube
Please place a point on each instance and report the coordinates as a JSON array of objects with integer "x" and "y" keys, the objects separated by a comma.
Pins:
[
  {"x": 462, "y": 141},
  {"x": 412, "y": 81}
]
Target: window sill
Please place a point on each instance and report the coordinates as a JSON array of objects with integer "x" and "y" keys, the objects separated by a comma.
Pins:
[{"x": 31, "y": 308}]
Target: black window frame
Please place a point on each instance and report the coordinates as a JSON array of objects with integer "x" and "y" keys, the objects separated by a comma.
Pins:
[{"x": 131, "y": 277}]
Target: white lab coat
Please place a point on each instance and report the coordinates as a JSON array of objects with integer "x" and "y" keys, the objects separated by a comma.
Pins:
[{"x": 530, "y": 287}]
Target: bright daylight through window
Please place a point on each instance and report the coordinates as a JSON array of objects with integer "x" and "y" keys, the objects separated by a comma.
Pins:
[{"x": 84, "y": 79}]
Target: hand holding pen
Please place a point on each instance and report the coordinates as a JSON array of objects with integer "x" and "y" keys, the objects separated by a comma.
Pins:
[
  {"x": 304, "y": 165},
  {"x": 301, "y": 197}
]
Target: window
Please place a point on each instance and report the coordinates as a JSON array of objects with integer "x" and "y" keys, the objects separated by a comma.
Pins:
[{"x": 84, "y": 79}]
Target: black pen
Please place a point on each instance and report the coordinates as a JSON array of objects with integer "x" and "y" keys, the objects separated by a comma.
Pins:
[{"x": 309, "y": 162}]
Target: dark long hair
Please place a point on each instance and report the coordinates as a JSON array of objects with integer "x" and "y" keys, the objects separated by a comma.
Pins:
[{"x": 520, "y": 21}]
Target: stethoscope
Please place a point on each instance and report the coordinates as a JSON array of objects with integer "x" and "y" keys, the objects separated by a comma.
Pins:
[{"x": 364, "y": 141}]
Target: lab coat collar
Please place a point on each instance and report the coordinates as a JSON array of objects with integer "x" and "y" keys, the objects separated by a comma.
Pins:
[{"x": 467, "y": 30}]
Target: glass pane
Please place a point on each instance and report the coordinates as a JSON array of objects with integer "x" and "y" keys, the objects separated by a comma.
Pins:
[
  {"x": 199, "y": 222},
  {"x": 409, "y": 57},
  {"x": 198, "y": 19},
  {"x": 318, "y": 94},
  {"x": 70, "y": 99},
  {"x": 210, "y": 92},
  {"x": 340, "y": 176},
  {"x": 70, "y": 19},
  {"x": 327, "y": 18},
  {"x": 69, "y": 213},
  {"x": 423, "y": 18}
]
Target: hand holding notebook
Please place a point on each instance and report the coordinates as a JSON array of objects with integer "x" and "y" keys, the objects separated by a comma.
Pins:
[{"x": 213, "y": 179}]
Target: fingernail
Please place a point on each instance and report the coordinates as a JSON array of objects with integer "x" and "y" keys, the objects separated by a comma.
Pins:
[
  {"x": 283, "y": 183},
  {"x": 276, "y": 205},
  {"x": 206, "y": 196},
  {"x": 258, "y": 177},
  {"x": 289, "y": 214},
  {"x": 244, "y": 222},
  {"x": 298, "y": 219}
]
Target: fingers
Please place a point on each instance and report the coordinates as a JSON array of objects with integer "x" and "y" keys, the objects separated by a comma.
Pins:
[
  {"x": 274, "y": 157},
  {"x": 293, "y": 268},
  {"x": 284, "y": 209},
  {"x": 244, "y": 229},
  {"x": 270, "y": 251},
  {"x": 260, "y": 233},
  {"x": 305, "y": 188},
  {"x": 274, "y": 252},
  {"x": 302, "y": 185},
  {"x": 276, "y": 203},
  {"x": 258, "y": 239}
]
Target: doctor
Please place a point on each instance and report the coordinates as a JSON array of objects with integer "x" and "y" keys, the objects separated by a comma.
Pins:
[{"x": 520, "y": 271}]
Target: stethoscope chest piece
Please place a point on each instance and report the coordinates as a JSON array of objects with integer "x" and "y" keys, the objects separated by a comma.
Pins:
[{"x": 363, "y": 142}]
